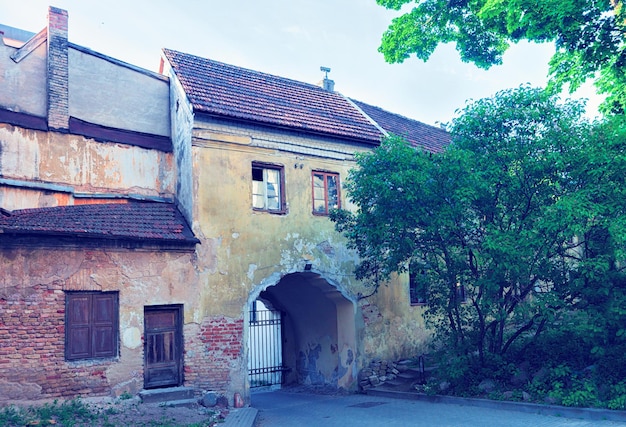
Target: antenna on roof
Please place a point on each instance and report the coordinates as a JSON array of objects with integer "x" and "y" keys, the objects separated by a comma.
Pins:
[
  {"x": 325, "y": 70},
  {"x": 327, "y": 83}
]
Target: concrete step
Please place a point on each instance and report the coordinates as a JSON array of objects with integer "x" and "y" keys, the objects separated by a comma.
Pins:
[
  {"x": 159, "y": 395},
  {"x": 187, "y": 403},
  {"x": 241, "y": 418}
]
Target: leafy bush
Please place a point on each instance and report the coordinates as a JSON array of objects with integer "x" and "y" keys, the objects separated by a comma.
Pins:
[
  {"x": 611, "y": 364},
  {"x": 617, "y": 397},
  {"x": 564, "y": 346},
  {"x": 582, "y": 393}
]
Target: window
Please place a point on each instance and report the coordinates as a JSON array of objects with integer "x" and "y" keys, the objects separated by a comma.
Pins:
[
  {"x": 91, "y": 325},
  {"x": 326, "y": 194},
  {"x": 267, "y": 187},
  {"x": 418, "y": 285},
  {"x": 460, "y": 293}
]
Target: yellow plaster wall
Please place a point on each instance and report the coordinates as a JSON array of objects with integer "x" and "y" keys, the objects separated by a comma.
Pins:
[{"x": 243, "y": 249}]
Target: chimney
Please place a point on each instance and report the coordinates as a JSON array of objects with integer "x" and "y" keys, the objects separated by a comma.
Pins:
[
  {"x": 327, "y": 83},
  {"x": 57, "y": 73}
]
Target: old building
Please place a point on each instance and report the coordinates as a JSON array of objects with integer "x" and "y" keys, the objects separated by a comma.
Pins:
[
  {"x": 261, "y": 160},
  {"x": 187, "y": 243},
  {"x": 92, "y": 244}
]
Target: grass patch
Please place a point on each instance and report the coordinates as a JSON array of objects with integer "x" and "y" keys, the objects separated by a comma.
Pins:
[
  {"x": 67, "y": 414},
  {"x": 76, "y": 413}
]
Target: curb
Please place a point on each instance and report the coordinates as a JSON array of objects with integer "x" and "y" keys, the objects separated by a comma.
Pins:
[
  {"x": 244, "y": 417},
  {"x": 536, "y": 408}
]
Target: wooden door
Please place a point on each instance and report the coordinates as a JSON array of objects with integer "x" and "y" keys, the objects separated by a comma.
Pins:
[{"x": 163, "y": 338}]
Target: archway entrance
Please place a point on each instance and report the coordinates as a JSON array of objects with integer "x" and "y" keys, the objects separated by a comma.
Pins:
[{"x": 317, "y": 333}]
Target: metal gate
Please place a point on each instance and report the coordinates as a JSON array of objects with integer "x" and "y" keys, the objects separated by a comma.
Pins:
[{"x": 265, "y": 364}]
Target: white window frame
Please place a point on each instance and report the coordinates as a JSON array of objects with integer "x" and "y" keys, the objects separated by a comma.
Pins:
[{"x": 268, "y": 184}]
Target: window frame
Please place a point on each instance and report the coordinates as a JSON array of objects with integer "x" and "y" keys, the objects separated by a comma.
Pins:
[
  {"x": 325, "y": 174},
  {"x": 282, "y": 200},
  {"x": 460, "y": 293},
  {"x": 415, "y": 275},
  {"x": 93, "y": 326}
]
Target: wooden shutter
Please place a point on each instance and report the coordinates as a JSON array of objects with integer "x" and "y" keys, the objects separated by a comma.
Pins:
[
  {"x": 104, "y": 324},
  {"x": 91, "y": 325},
  {"x": 77, "y": 341}
]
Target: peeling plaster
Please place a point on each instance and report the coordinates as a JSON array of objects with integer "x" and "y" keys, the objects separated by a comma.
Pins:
[
  {"x": 131, "y": 337},
  {"x": 251, "y": 269}
]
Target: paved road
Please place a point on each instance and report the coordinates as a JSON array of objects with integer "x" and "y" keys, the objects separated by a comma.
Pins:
[{"x": 291, "y": 409}]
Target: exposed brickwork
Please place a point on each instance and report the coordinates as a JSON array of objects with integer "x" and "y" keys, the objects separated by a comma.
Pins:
[
  {"x": 212, "y": 357},
  {"x": 58, "y": 71},
  {"x": 32, "y": 359}
]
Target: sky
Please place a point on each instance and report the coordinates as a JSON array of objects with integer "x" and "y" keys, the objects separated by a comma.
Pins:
[{"x": 293, "y": 39}]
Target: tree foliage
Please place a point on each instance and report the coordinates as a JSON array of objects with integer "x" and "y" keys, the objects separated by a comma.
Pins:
[
  {"x": 524, "y": 209},
  {"x": 588, "y": 35},
  {"x": 598, "y": 283}
]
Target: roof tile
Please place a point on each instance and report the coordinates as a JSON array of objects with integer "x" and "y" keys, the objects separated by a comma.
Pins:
[
  {"x": 419, "y": 134},
  {"x": 135, "y": 221},
  {"x": 238, "y": 93}
]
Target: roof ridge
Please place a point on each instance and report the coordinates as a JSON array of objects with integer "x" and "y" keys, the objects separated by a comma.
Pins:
[
  {"x": 374, "y": 122},
  {"x": 399, "y": 115}
]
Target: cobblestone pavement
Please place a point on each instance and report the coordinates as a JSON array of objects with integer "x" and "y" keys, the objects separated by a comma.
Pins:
[{"x": 300, "y": 409}]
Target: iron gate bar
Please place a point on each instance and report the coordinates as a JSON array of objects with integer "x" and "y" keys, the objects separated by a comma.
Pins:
[{"x": 265, "y": 345}]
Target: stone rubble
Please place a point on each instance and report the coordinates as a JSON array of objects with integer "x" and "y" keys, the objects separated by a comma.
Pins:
[{"x": 378, "y": 372}]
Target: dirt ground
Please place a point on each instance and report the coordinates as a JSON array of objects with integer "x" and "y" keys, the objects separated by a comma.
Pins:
[
  {"x": 107, "y": 412},
  {"x": 132, "y": 412}
]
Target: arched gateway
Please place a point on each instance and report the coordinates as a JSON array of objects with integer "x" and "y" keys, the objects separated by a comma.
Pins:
[{"x": 301, "y": 330}]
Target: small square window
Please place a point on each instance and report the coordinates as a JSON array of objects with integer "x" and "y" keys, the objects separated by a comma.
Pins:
[
  {"x": 268, "y": 188},
  {"x": 326, "y": 192},
  {"x": 91, "y": 325}
]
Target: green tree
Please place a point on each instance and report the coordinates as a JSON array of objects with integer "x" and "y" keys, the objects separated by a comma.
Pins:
[
  {"x": 489, "y": 214},
  {"x": 597, "y": 285},
  {"x": 588, "y": 35}
]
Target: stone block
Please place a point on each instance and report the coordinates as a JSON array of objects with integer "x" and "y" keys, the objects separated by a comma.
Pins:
[
  {"x": 209, "y": 399},
  {"x": 374, "y": 380}
]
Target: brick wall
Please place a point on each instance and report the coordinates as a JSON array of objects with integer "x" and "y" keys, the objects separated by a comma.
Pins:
[
  {"x": 58, "y": 71},
  {"x": 214, "y": 354},
  {"x": 32, "y": 358}
]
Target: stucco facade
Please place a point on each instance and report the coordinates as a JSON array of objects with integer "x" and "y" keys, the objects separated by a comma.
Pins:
[{"x": 332, "y": 329}]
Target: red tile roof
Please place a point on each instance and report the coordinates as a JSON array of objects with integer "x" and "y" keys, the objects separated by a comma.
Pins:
[
  {"x": 152, "y": 221},
  {"x": 237, "y": 93},
  {"x": 419, "y": 134}
]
